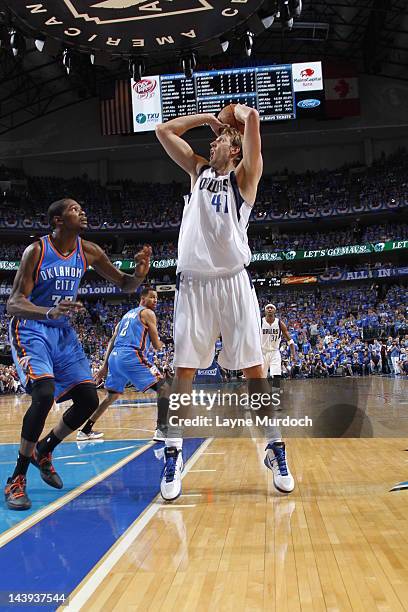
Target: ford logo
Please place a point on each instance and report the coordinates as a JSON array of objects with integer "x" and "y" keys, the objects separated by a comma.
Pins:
[{"x": 312, "y": 103}]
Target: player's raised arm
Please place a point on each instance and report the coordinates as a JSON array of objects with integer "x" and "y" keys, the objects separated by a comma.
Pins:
[
  {"x": 18, "y": 303},
  {"x": 169, "y": 134},
  {"x": 149, "y": 318},
  {"x": 252, "y": 163},
  {"x": 98, "y": 259}
]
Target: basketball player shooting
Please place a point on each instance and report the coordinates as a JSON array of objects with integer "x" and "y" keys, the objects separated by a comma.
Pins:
[
  {"x": 214, "y": 292},
  {"x": 48, "y": 356},
  {"x": 126, "y": 361}
]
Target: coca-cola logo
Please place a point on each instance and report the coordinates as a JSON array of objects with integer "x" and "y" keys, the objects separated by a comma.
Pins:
[{"x": 145, "y": 88}]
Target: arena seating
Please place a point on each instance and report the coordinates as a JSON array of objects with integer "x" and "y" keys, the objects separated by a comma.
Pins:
[
  {"x": 335, "y": 329},
  {"x": 274, "y": 241},
  {"x": 126, "y": 204},
  {"x": 358, "y": 329}
]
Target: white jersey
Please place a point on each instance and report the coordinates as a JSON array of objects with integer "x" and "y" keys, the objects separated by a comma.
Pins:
[
  {"x": 271, "y": 335},
  {"x": 213, "y": 239}
]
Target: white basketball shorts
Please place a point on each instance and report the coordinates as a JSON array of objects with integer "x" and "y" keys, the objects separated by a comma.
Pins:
[
  {"x": 204, "y": 309},
  {"x": 272, "y": 361}
]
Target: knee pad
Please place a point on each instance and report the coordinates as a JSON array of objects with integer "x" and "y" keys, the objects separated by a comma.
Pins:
[
  {"x": 42, "y": 399},
  {"x": 85, "y": 398}
]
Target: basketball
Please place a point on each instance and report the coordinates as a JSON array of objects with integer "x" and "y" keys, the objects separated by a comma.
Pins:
[{"x": 226, "y": 115}]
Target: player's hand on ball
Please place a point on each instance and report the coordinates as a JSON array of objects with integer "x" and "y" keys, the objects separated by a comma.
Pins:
[
  {"x": 229, "y": 116},
  {"x": 142, "y": 259},
  {"x": 100, "y": 375},
  {"x": 216, "y": 125},
  {"x": 241, "y": 112},
  {"x": 65, "y": 308}
]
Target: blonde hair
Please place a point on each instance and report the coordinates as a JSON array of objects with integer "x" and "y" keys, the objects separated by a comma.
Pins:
[{"x": 235, "y": 140}]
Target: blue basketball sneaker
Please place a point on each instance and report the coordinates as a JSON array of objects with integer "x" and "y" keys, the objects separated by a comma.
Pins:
[
  {"x": 170, "y": 486},
  {"x": 275, "y": 460}
]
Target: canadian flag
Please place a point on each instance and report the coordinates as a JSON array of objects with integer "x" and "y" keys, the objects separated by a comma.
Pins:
[{"x": 341, "y": 91}]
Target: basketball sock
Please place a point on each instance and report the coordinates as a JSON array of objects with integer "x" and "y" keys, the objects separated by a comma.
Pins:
[
  {"x": 275, "y": 441},
  {"x": 87, "y": 428},
  {"x": 21, "y": 466},
  {"x": 47, "y": 444},
  {"x": 177, "y": 442},
  {"x": 162, "y": 412}
]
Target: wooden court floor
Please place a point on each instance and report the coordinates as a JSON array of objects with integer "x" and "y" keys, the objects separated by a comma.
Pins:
[{"x": 231, "y": 542}]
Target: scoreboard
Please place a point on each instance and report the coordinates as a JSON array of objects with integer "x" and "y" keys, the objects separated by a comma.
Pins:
[{"x": 278, "y": 92}]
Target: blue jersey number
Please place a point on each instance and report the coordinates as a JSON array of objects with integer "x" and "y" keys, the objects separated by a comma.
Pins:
[{"x": 219, "y": 201}]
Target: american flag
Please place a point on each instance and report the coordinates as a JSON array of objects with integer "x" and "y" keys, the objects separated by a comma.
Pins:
[{"x": 116, "y": 109}]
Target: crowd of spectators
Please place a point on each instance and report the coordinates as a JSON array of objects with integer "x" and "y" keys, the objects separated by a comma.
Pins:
[
  {"x": 353, "y": 330},
  {"x": 357, "y": 330},
  {"x": 128, "y": 201},
  {"x": 336, "y": 356},
  {"x": 319, "y": 191},
  {"x": 272, "y": 242},
  {"x": 320, "y": 240},
  {"x": 9, "y": 381}
]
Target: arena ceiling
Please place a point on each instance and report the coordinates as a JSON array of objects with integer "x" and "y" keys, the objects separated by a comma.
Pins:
[{"x": 372, "y": 35}]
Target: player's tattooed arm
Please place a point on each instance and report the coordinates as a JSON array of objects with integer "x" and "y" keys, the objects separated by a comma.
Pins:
[
  {"x": 18, "y": 303},
  {"x": 98, "y": 259},
  {"x": 149, "y": 318},
  {"x": 169, "y": 134}
]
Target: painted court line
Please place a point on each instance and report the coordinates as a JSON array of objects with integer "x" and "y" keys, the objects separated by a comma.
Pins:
[
  {"x": 126, "y": 429},
  {"x": 87, "y": 588},
  {"x": 196, "y": 494},
  {"x": 38, "y": 516},
  {"x": 135, "y": 405},
  {"x": 203, "y": 470},
  {"x": 91, "y": 454},
  {"x": 115, "y": 450},
  {"x": 173, "y": 506}
]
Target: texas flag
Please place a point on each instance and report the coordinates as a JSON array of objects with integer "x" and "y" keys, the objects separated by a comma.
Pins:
[{"x": 341, "y": 91}]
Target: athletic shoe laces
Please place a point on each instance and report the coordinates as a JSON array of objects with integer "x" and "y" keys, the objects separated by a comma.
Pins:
[
  {"x": 280, "y": 457},
  {"x": 17, "y": 486},
  {"x": 169, "y": 469},
  {"x": 46, "y": 461}
]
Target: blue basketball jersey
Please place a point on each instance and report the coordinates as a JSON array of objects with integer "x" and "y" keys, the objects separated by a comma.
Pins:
[
  {"x": 57, "y": 277},
  {"x": 132, "y": 333}
]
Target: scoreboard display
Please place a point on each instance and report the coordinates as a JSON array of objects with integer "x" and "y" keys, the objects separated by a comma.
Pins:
[{"x": 278, "y": 92}]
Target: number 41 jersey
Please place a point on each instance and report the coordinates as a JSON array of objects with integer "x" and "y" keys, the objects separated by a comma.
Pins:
[
  {"x": 57, "y": 277},
  {"x": 213, "y": 239}
]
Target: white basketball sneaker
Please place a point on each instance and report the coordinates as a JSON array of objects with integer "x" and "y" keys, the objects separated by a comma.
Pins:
[
  {"x": 170, "y": 486},
  {"x": 158, "y": 436},
  {"x": 275, "y": 460},
  {"x": 92, "y": 435}
]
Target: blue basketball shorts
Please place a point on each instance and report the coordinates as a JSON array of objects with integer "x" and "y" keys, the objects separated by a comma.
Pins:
[
  {"x": 41, "y": 351},
  {"x": 130, "y": 366}
]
